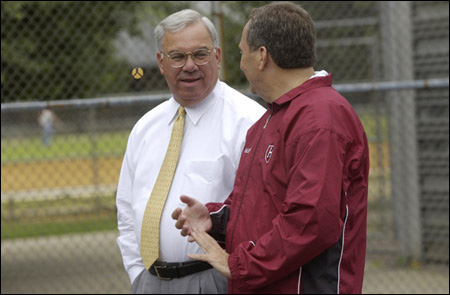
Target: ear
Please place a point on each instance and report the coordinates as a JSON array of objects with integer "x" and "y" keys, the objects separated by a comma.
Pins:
[
  {"x": 263, "y": 58},
  {"x": 218, "y": 55},
  {"x": 160, "y": 60}
]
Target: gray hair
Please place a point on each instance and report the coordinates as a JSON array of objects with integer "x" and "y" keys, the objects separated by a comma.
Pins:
[{"x": 180, "y": 20}]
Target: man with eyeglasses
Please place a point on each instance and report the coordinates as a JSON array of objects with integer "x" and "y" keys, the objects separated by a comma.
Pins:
[{"x": 216, "y": 119}]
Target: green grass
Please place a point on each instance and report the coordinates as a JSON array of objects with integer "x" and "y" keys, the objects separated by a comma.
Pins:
[
  {"x": 51, "y": 227},
  {"x": 56, "y": 217},
  {"x": 63, "y": 146}
]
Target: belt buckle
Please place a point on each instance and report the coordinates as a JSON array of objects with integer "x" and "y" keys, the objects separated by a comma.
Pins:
[{"x": 157, "y": 273}]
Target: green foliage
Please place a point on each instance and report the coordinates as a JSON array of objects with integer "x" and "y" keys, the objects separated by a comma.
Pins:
[
  {"x": 59, "y": 50},
  {"x": 66, "y": 49},
  {"x": 236, "y": 15}
]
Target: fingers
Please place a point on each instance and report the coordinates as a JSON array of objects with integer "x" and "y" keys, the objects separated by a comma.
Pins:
[
  {"x": 185, "y": 230},
  {"x": 188, "y": 200},
  {"x": 201, "y": 257},
  {"x": 214, "y": 254},
  {"x": 192, "y": 214},
  {"x": 176, "y": 213},
  {"x": 180, "y": 222},
  {"x": 199, "y": 238},
  {"x": 204, "y": 240}
]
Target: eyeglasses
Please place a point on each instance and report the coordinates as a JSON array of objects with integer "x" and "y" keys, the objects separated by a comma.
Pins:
[{"x": 200, "y": 57}]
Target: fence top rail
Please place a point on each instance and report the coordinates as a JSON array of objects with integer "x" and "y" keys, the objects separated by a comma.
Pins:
[
  {"x": 84, "y": 103},
  {"x": 156, "y": 98},
  {"x": 393, "y": 85}
]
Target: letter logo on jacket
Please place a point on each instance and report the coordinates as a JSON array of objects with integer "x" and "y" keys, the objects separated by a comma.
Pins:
[{"x": 269, "y": 152}]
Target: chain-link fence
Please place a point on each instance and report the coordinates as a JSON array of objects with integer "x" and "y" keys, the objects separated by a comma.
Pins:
[{"x": 61, "y": 149}]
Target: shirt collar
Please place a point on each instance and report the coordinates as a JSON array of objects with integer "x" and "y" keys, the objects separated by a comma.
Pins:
[{"x": 195, "y": 112}]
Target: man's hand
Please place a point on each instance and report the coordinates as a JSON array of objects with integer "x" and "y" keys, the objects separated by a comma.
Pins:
[
  {"x": 215, "y": 255},
  {"x": 195, "y": 215}
]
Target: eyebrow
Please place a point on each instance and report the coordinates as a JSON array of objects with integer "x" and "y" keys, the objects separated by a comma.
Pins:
[{"x": 180, "y": 51}]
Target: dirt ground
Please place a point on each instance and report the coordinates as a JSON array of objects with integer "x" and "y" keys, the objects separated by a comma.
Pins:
[
  {"x": 59, "y": 173},
  {"x": 91, "y": 263}
]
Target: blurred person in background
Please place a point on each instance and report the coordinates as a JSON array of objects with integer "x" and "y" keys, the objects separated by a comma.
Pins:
[
  {"x": 216, "y": 119},
  {"x": 47, "y": 119},
  {"x": 295, "y": 221}
]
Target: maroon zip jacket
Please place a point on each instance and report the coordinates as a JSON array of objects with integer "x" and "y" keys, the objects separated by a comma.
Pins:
[{"x": 296, "y": 218}]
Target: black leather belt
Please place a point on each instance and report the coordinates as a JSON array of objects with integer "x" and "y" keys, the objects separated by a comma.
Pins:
[{"x": 168, "y": 271}]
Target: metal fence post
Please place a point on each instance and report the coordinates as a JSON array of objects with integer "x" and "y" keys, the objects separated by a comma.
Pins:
[
  {"x": 396, "y": 32},
  {"x": 92, "y": 134}
]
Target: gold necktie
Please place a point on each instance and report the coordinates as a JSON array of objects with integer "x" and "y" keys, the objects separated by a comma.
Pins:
[{"x": 155, "y": 205}]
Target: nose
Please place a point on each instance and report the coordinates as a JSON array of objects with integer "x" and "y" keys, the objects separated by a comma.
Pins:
[{"x": 190, "y": 64}]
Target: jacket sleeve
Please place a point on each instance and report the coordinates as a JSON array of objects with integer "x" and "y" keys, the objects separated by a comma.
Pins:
[
  {"x": 310, "y": 219},
  {"x": 219, "y": 213}
]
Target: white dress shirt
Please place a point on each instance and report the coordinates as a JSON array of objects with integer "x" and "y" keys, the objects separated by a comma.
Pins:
[{"x": 214, "y": 136}]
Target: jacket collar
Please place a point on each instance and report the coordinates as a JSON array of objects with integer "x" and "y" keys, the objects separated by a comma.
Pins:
[{"x": 313, "y": 83}]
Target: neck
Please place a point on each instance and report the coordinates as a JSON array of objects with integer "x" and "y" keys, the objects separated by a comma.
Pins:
[{"x": 282, "y": 81}]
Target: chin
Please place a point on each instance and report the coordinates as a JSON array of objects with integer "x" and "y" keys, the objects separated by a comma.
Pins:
[{"x": 188, "y": 100}]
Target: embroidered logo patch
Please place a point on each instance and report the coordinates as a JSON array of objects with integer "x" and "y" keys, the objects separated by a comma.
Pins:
[{"x": 269, "y": 152}]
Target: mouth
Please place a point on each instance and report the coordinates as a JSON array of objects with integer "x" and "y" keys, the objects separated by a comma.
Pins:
[{"x": 189, "y": 81}]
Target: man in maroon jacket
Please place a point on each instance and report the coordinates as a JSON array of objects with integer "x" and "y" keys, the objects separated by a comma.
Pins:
[{"x": 295, "y": 221}]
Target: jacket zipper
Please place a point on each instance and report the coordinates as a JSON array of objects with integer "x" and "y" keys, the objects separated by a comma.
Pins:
[
  {"x": 267, "y": 121},
  {"x": 268, "y": 118}
]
